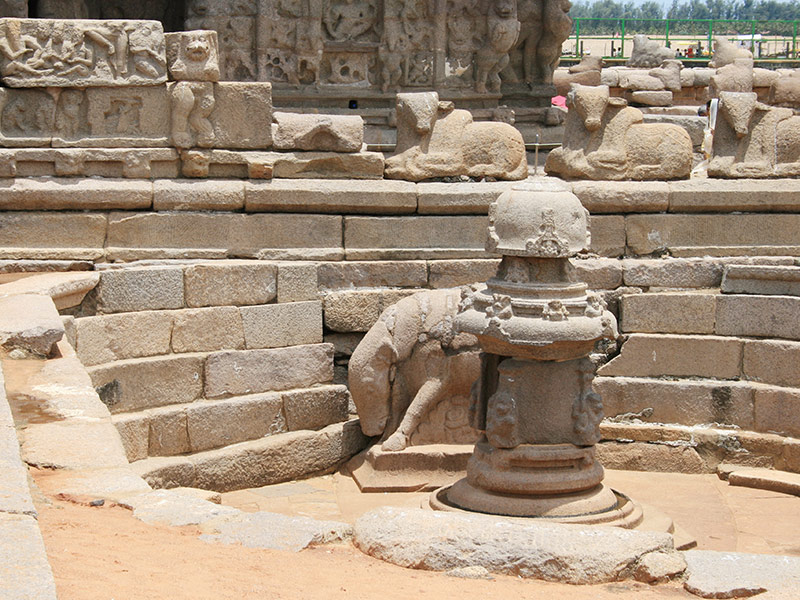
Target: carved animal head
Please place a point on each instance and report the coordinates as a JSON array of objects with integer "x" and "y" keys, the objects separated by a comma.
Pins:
[
  {"x": 590, "y": 103},
  {"x": 738, "y": 108},
  {"x": 505, "y": 9},
  {"x": 418, "y": 110},
  {"x": 198, "y": 48}
]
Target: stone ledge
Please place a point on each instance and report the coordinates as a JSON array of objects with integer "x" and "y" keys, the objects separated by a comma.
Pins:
[
  {"x": 24, "y": 570},
  {"x": 766, "y": 479}
]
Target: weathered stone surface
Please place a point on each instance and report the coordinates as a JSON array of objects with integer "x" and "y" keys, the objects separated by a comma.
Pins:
[
  {"x": 650, "y": 355},
  {"x": 66, "y": 289},
  {"x": 134, "y": 431},
  {"x": 737, "y": 575},
  {"x": 328, "y": 133},
  {"x": 192, "y": 55},
  {"x": 253, "y": 371},
  {"x": 598, "y": 273},
  {"x": 766, "y": 479},
  {"x": 168, "y": 433},
  {"x": 277, "y": 325},
  {"x": 743, "y": 195},
  {"x": 316, "y": 408},
  {"x": 242, "y": 114},
  {"x": 642, "y": 456},
  {"x": 139, "y": 383},
  {"x": 140, "y": 288},
  {"x": 777, "y": 410},
  {"x": 73, "y": 444},
  {"x": 105, "y": 483},
  {"x": 686, "y": 402},
  {"x": 30, "y": 323},
  {"x": 606, "y": 139},
  {"x": 278, "y": 458},
  {"x": 107, "y": 338},
  {"x": 75, "y": 194},
  {"x": 231, "y": 283},
  {"x": 25, "y": 573},
  {"x": 85, "y": 233},
  {"x": 170, "y": 508},
  {"x": 670, "y": 313},
  {"x": 622, "y": 196},
  {"x": 275, "y": 532},
  {"x": 370, "y": 238},
  {"x": 761, "y": 279},
  {"x": 657, "y": 567},
  {"x": 325, "y": 165},
  {"x": 15, "y": 497},
  {"x": 436, "y": 140},
  {"x": 440, "y": 541},
  {"x": 608, "y": 235},
  {"x": 207, "y": 329},
  {"x": 347, "y": 311},
  {"x": 785, "y": 91},
  {"x": 224, "y": 422},
  {"x": 340, "y": 196},
  {"x": 673, "y": 272},
  {"x": 450, "y": 273},
  {"x": 650, "y": 97},
  {"x": 84, "y": 53},
  {"x": 761, "y": 316},
  {"x": 180, "y": 235},
  {"x": 648, "y": 53},
  {"x": 198, "y": 195},
  {"x": 354, "y": 274},
  {"x": 771, "y": 361},
  {"x": 652, "y": 233},
  {"x": 166, "y": 471},
  {"x": 458, "y": 198},
  {"x": 297, "y": 282}
]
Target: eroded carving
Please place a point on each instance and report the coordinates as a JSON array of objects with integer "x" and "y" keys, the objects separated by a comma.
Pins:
[
  {"x": 604, "y": 138},
  {"x": 502, "y": 31},
  {"x": 648, "y": 53},
  {"x": 193, "y": 55},
  {"x": 192, "y": 105}
]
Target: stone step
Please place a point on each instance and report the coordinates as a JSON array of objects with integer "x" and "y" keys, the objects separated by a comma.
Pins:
[
  {"x": 766, "y": 479},
  {"x": 741, "y": 404},
  {"x": 121, "y": 336},
  {"x": 265, "y": 461},
  {"x": 208, "y": 424},
  {"x": 142, "y": 383},
  {"x": 781, "y": 280},
  {"x": 709, "y": 312}
]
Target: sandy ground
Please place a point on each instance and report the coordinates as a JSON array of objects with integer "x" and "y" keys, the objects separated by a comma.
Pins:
[{"x": 104, "y": 553}]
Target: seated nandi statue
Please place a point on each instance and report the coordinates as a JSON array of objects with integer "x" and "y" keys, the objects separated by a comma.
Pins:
[
  {"x": 410, "y": 377},
  {"x": 436, "y": 140},
  {"x": 752, "y": 139},
  {"x": 604, "y": 138}
]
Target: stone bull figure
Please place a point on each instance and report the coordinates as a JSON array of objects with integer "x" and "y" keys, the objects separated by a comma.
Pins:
[
  {"x": 436, "y": 140},
  {"x": 604, "y": 138},
  {"x": 410, "y": 377},
  {"x": 752, "y": 139}
]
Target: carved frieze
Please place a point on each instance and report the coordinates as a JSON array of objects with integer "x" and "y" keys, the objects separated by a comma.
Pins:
[{"x": 52, "y": 53}]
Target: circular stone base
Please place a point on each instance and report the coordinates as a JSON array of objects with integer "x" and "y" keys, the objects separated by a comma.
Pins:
[{"x": 599, "y": 506}]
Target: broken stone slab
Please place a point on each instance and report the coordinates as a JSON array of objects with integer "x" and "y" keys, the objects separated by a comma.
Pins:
[
  {"x": 175, "y": 508},
  {"x": 109, "y": 484},
  {"x": 274, "y": 531},
  {"x": 65, "y": 289},
  {"x": 73, "y": 444},
  {"x": 25, "y": 573},
  {"x": 326, "y": 133},
  {"x": 764, "y": 280},
  {"x": 766, "y": 479},
  {"x": 29, "y": 322},
  {"x": 441, "y": 541},
  {"x": 738, "y": 575},
  {"x": 81, "y": 53}
]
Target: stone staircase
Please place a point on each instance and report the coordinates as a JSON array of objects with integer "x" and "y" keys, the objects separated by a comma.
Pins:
[
  {"x": 201, "y": 369},
  {"x": 709, "y": 375}
]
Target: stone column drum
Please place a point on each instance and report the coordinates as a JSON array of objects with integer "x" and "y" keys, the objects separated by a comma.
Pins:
[{"x": 533, "y": 401}]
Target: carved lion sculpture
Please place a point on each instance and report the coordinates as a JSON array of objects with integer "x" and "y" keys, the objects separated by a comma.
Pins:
[
  {"x": 752, "y": 139},
  {"x": 436, "y": 140},
  {"x": 648, "y": 53},
  {"x": 410, "y": 376},
  {"x": 604, "y": 138}
]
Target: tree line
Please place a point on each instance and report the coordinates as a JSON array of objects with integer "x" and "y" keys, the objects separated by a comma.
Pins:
[{"x": 637, "y": 16}]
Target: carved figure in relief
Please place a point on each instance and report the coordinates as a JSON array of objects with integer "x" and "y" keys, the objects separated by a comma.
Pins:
[
  {"x": 68, "y": 117},
  {"x": 192, "y": 104},
  {"x": 604, "y": 138},
  {"x": 587, "y": 410},
  {"x": 29, "y": 113},
  {"x": 347, "y": 20},
  {"x": 146, "y": 45},
  {"x": 236, "y": 41},
  {"x": 123, "y": 117},
  {"x": 410, "y": 363},
  {"x": 502, "y": 430},
  {"x": 435, "y": 140},
  {"x": 557, "y": 27},
  {"x": 502, "y": 30},
  {"x": 193, "y": 55},
  {"x": 752, "y": 139},
  {"x": 531, "y": 30}
]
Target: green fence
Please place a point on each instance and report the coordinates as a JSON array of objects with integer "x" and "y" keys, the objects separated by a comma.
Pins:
[{"x": 692, "y": 38}]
